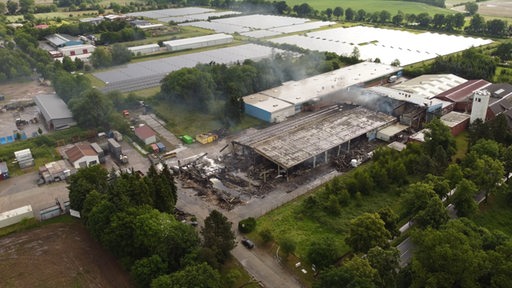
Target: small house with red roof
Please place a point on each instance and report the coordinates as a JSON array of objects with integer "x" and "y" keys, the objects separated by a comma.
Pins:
[{"x": 146, "y": 134}]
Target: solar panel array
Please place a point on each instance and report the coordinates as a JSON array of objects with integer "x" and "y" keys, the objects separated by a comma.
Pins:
[
  {"x": 142, "y": 75},
  {"x": 387, "y": 45}
]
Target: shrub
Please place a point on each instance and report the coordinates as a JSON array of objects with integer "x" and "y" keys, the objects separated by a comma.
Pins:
[{"x": 247, "y": 225}]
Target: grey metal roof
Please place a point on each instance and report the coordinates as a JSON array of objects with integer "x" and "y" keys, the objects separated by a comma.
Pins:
[
  {"x": 292, "y": 142},
  {"x": 52, "y": 107}
]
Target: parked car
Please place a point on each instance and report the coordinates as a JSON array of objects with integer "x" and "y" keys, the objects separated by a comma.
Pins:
[{"x": 247, "y": 243}]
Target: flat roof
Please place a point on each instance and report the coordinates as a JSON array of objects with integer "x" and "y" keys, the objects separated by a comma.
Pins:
[
  {"x": 294, "y": 141},
  {"x": 198, "y": 39},
  {"x": 144, "y": 46},
  {"x": 454, "y": 118},
  {"x": 52, "y": 107},
  {"x": 431, "y": 85},
  {"x": 392, "y": 130},
  {"x": 410, "y": 97},
  {"x": 302, "y": 91},
  {"x": 266, "y": 103},
  {"x": 15, "y": 212}
]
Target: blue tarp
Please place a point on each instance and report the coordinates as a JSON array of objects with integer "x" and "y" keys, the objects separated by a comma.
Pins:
[
  {"x": 10, "y": 139},
  {"x": 3, "y": 140}
]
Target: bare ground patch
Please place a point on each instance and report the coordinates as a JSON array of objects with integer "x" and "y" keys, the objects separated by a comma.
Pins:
[
  {"x": 22, "y": 91},
  {"x": 58, "y": 255}
]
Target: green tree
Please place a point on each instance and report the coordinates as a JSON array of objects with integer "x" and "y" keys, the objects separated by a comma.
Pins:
[
  {"x": 434, "y": 215},
  {"x": 247, "y": 225},
  {"x": 476, "y": 24},
  {"x": 356, "y": 273},
  {"x": 3, "y": 8},
  {"x": 386, "y": 263},
  {"x": 92, "y": 110},
  {"x": 68, "y": 64},
  {"x": 194, "y": 276},
  {"x": 463, "y": 198},
  {"x": 146, "y": 269},
  {"x": 453, "y": 174},
  {"x": 504, "y": 51},
  {"x": 83, "y": 182},
  {"x": 287, "y": 245},
  {"x": 328, "y": 12},
  {"x": 384, "y": 16},
  {"x": 439, "y": 144},
  {"x": 120, "y": 54},
  {"x": 471, "y": 8},
  {"x": 322, "y": 253},
  {"x": 390, "y": 220},
  {"x": 416, "y": 198},
  {"x": 12, "y": 7},
  {"x": 218, "y": 235},
  {"x": 337, "y": 12},
  {"x": 26, "y": 6},
  {"x": 349, "y": 14},
  {"x": 398, "y": 19},
  {"x": 367, "y": 231},
  {"x": 101, "y": 57}
]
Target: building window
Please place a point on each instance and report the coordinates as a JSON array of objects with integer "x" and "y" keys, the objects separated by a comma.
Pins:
[
  {"x": 72, "y": 53},
  {"x": 84, "y": 51}
]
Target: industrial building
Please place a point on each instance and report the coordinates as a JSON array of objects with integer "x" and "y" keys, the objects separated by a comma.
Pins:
[
  {"x": 493, "y": 100},
  {"x": 144, "y": 49},
  {"x": 24, "y": 158},
  {"x": 62, "y": 40},
  {"x": 276, "y": 104},
  {"x": 75, "y": 50},
  {"x": 314, "y": 138},
  {"x": 461, "y": 94},
  {"x": 430, "y": 85},
  {"x": 82, "y": 155},
  {"x": 55, "y": 112},
  {"x": 198, "y": 42},
  {"x": 146, "y": 134},
  {"x": 146, "y": 25}
]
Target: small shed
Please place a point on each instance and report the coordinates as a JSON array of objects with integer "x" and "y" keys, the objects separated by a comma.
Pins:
[
  {"x": 24, "y": 158},
  {"x": 161, "y": 147},
  {"x": 4, "y": 171},
  {"x": 146, "y": 134},
  {"x": 391, "y": 132},
  {"x": 14, "y": 216},
  {"x": 456, "y": 121}
]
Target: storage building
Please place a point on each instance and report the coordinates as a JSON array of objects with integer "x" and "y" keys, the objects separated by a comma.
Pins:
[
  {"x": 4, "y": 171},
  {"x": 456, "y": 121},
  {"x": 144, "y": 49},
  {"x": 16, "y": 215},
  {"x": 62, "y": 40},
  {"x": 390, "y": 133},
  {"x": 114, "y": 148},
  {"x": 82, "y": 155},
  {"x": 146, "y": 134},
  {"x": 267, "y": 108},
  {"x": 24, "y": 158},
  {"x": 76, "y": 50},
  {"x": 198, "y": 42},
  {"x": 430, "y": 85},
  {"x": 54, "y": 171},
  {"x": 55, "y": 112},
  {"x": 324, "y": 89},
  {"x": 461, "y": 94},
  {"x": 99, "y": 151}
]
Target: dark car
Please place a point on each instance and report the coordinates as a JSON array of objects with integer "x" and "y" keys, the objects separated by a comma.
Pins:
[{"x": 248, "y": 243}]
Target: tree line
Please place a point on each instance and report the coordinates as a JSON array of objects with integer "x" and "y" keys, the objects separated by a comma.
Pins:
[
  {"x": 423, "y": 175},
  {"x": 133, "y": 217}
]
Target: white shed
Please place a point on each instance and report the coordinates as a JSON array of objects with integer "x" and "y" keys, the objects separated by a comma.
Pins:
[
  {"x": 198, "y": 42},
  {"x": 16, "y": 215},
  {"x": 24, "y": 158},
  {"x": 144, "y": 49}
]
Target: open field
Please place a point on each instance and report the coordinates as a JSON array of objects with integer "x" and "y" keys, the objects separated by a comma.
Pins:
[
  {"x": 492, "y": 8},
  {"x": 182, "y": 120},
  {"x": 374, "y": 5},
  {"x": 289, "y": 220},
  {"x": 495, "y": 215},
  {"x": 58, "y": 255}
]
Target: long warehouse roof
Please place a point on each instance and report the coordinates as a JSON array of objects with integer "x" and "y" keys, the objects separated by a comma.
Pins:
[{"x": 292, "y": 142}]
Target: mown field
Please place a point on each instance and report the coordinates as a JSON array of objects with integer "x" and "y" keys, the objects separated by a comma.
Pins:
[{"x": 373, "y": 5}]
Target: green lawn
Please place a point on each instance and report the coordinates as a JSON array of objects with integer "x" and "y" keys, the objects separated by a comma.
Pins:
[
  {"x": 374, "y": 5},
  {"x": 290, "y": 221},
  {"x": 461, "y": 142},
  {"x": 495, "y": 215}
]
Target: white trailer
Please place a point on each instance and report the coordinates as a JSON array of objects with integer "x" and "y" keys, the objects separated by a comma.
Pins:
[{"x": 16, "y": 215}]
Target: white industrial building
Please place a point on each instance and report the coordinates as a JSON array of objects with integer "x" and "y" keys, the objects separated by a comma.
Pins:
[
  {"x": 430, "y": 85},
  {"x": 270, "y": 105},
  {"x": 198, "y": 42},
  {"x": 15, "y": 215},
  {"x": 77, "y": 50},
  {"x": 144, "y": 49}
]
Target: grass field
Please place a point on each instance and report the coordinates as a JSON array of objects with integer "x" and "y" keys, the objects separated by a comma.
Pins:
[
  {"x": 461, "y": 142},
  {"x": 495, "y": 215},
  {"x": 182, "y": 120},
  {"x": 373, "y": 5},
  {"x": 289, "y": 220}
]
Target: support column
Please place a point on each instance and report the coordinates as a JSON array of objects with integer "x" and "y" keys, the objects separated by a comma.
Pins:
[
  {"x": 348, "y": 146},
  {"x": 339, "y": 150},
  {"x": 314, "y": 161},
  {"x": 325, "y": 157}
]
